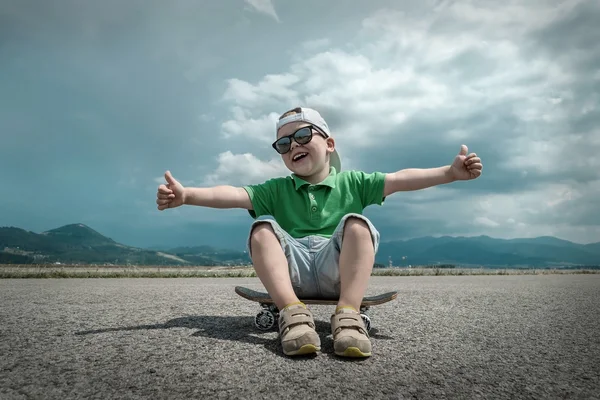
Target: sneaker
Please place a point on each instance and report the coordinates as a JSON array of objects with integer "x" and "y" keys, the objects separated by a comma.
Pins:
[
  {"x": 297, "y": 331},
  {"x": 350, "y": 337}
]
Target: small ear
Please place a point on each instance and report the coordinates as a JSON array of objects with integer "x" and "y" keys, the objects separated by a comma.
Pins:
[{"x": 330, "y": 144}]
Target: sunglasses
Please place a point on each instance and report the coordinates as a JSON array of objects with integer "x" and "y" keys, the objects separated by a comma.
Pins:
[{"x": 301, "y": 136}]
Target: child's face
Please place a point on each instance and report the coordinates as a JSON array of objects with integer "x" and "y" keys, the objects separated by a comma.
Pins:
[{"x": 316, "y": 151}]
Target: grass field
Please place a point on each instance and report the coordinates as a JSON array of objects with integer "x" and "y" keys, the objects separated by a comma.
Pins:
[{"x": 124, "y": 271}]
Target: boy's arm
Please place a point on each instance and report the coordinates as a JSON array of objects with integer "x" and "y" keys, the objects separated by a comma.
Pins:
[
  {"x": 464, "y": 167},
  {"x": 416, "y": 179},
  {"x": 173, "y": 194},
  {"x": 218, "y": 197}
]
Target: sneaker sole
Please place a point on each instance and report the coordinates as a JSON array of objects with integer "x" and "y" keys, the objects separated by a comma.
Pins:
[
  {"x": 306, "y": 349},
  {"x": 353, "y": 352}
]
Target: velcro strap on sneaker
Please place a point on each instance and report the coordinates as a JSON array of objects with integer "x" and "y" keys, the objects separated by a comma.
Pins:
[
  {"x": 347, "y": 320},
  {"x": 295, "y": 317}
]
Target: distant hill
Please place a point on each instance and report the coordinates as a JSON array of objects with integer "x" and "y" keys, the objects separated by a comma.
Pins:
[
  {"x": 78, "y": 243},
  {"x": 200, "y": 254},
  {"x": 75, "y": 243},
  {"x": 487, "y": 251}
]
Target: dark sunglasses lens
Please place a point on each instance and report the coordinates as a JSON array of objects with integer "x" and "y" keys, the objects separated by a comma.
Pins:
[
  {"x": 303, "y": 136},
  {"x": 282, "y": 145}
]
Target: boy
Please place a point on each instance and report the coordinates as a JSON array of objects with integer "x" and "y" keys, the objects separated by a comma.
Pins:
[{"x": 319, "y": 243}]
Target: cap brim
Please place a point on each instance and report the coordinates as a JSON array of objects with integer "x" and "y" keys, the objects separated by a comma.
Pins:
[{"x": 335, "y": 162}]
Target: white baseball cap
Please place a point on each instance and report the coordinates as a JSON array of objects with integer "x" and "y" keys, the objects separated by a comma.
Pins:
[{"x": 312, "y": 117}]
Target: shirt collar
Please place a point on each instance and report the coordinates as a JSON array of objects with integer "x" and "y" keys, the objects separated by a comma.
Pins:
[{"x": 329, "y": 181}]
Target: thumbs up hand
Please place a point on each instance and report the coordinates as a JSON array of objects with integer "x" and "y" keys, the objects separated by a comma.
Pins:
[
  {"x": 170, "y": 195},
  {"x": 465, "y": 166}
]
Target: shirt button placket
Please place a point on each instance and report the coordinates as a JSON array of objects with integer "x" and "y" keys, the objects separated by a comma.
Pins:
[{"x": 313, "y": 204}]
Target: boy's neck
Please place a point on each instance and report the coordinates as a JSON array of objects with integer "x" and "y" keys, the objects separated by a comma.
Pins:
[{"x": 317, "y": 177}]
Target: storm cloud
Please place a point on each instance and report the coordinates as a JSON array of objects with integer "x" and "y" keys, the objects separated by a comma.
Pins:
[{"x": 98, "y": 101}]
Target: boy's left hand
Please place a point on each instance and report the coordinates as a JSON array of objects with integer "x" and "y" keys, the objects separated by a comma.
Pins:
[{"x": 465, "y": 166}]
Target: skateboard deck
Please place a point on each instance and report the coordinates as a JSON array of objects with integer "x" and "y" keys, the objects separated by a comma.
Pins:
[
  {"x": 268, "y": 316},
  {"x": 264, "y": 298}
]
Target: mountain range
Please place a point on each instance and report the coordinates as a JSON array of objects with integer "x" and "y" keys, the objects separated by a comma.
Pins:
[
  {"x": 80, "y": 244},
  {"x": 483, "y": 250}
]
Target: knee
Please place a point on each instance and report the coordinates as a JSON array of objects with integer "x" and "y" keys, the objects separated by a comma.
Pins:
[
  {"x": 357, "y": 228},
  {"x": 261, "y": 234}
]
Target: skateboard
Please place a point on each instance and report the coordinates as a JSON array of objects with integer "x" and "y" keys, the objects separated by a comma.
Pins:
[{"x": 268, "y": 316}]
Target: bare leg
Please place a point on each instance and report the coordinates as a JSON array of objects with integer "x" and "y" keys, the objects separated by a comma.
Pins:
[
  {"x": 356, "y": 262},
  {"x": 271, "y": 266}
]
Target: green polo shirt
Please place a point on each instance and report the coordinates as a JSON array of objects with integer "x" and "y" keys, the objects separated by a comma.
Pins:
[{"x": 303, "y": 209}]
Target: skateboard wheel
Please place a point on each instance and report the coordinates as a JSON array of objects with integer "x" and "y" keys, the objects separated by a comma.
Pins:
[
  {"x": 265, "y": 320},
  {"x": 367, "y": 321}
]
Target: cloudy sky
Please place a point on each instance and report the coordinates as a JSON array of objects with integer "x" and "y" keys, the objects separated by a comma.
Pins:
[{"x": 98, "y": 99}]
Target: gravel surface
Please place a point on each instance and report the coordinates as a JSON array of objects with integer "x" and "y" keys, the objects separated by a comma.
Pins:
[{"x": 444, "y": 337}]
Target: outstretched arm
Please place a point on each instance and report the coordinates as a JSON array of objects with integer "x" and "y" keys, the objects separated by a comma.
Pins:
[
  {"x": 416, "y": 179},
  {"x": 218, "y": 197},
  {"x": 173, "y": 194},
  {"x": 464, "y": 167}
]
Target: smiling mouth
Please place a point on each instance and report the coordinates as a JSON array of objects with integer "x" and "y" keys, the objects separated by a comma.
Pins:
[{"x": 299, "y": 156}]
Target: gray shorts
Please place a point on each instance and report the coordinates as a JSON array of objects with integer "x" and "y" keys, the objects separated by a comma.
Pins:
[{"x": 313, "y": 261}]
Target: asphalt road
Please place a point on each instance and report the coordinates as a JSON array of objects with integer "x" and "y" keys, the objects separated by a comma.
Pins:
[{"x": 444, "y": 337}]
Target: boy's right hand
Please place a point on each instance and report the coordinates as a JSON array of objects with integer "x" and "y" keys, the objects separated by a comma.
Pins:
[{"x": 170, "y": 195}]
